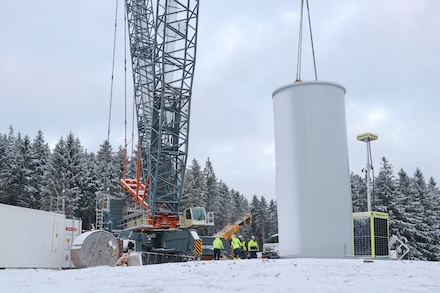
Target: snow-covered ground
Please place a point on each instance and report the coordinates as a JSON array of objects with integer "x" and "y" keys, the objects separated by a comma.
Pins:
[{"x": 259, "y": 275}]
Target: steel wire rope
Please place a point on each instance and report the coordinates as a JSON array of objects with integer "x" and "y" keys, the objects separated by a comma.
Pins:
[
  {"x": 113, "y": 73},
  {"x": 125, "y": 92},
  {"x": 133, "y": 111},
  {"x": 299, "y": 56},
  {"x": 311, "y": 40},
  {"x": 106, "y": 171},
  {"x": 126, "y": 142},
  {"x": 298, "y": 60}
]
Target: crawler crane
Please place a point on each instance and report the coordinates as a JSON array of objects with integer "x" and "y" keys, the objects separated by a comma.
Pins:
[{"x": 162, "y": 38}]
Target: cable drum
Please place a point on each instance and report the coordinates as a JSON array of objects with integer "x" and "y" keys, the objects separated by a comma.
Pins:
[{"x": 95, "y": 248}]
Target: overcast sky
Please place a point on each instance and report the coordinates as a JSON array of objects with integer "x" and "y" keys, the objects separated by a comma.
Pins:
[{"x": 56, "y": 59}]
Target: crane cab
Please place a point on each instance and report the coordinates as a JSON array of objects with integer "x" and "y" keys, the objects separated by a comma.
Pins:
[{"x": 196, "y": 217}]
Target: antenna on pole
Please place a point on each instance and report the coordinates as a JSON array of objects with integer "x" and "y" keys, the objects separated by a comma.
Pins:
[{"x": 367, "y": 137}]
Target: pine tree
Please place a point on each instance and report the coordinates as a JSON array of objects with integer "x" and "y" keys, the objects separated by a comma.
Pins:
[
  {"x": 262, "y": 218},
  {"x": 194, "y": 192},
  {"x": 131, "y": 167},
  {"x": 422, "y": 229},
  {"x": 225, "y": 207},
  {"x": 109, "y": 169},
  {"x": 3, "y": 167},
  {"x": 40, "y": 154},
  {"x": 76, "y": 173},
  {"x": 57, "y": 179},
  {"x": 403, "y": 192},
  {"x": 240, "y": 206},
  {"x": 262, "y": 226},
  {"x": 358, "y": 193},
  {"x": 21, "y": 174},
  {"x": 255, "y": 209},
  {"x": 384, "y": 187},
  {"x": 119, "y": 174},
  {"x": 398, "y": 219},
  {"x": 212, "y": 203},
  {"x": 426, "y": 241},
  {"x": 272, "y": 217},
  {"x": 66, "y": 176},
  {"x": 16, "y": 175},
  {"x": 412, "y": 225},
  {"x": 433, "y": 217},
  {"x": 87, "y": 201},
  {"x": 11, "y": 163}
]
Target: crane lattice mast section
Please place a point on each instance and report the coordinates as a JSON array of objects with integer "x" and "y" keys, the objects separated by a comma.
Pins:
[{"x": 163, "y": 49}]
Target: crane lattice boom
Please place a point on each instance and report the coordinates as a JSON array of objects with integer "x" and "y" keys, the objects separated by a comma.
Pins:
[{"x": 163, "y": 48}]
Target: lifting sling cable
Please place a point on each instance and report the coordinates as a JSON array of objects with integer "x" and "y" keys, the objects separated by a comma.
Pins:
[
  {"x": 113, "y": 73},
  {"x": 299, "y": 57},
  {"x": 311, "y": 40},
  {"x": 126, "y": 142},
  {"x": 106, "y": 172},
  {"x": 125, "y": 93},
  {"x": 298, "y": 60}
]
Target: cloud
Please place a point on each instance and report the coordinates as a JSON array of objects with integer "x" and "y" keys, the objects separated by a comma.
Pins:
[{"x": 55, "y": 73}]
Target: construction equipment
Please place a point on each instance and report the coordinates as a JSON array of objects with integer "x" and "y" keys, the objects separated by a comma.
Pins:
[
  {"x": 369, "y": 171},
  {"x": 86, "y": 253},
  {"x": 398, "y": 248},
  {"x": 225, "y": 235},
  {"x": 271, "y": 247},
  {"x": 196, "y": 217},
  {"x": 36, "y": 239},
  {"x": 163, "y": 48},
  {"x": 371, "y": 233},
  {"x": 231, "y": 229}
]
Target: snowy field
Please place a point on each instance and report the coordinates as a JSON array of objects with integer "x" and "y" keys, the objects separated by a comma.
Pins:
[{"x": 259, "y": 275}]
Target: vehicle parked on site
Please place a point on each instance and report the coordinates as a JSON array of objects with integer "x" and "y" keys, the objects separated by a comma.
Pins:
[{"x": 271, "y": 247}]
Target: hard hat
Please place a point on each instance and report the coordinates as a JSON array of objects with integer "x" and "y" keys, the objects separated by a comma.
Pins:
[
  {"x": 233, "y": 236},
  {"x": 252, "y": 237},
  {"x": 240, "y": 236}
]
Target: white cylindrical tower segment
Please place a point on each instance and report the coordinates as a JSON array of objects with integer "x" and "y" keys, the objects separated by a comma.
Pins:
[{"x": 312, "y": 172}]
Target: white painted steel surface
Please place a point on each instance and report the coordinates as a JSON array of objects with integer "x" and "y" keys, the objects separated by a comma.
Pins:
[
  {"x": 312, "y": 172},
  {"x": 72, "y": 229},
  {"x": 30, "y": 238}
]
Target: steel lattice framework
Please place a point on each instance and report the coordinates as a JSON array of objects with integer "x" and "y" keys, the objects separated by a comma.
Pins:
[{"x": 163, "y": 49}]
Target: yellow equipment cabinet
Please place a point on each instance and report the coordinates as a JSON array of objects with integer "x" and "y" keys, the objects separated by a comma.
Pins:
[{"x": 371, "y": 234}]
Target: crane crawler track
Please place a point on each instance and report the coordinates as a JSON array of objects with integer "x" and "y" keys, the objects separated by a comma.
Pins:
[{"x": 151, "y": 258}]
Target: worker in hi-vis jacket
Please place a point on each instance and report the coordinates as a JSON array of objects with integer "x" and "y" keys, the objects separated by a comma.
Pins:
[{"x": 218, "y": 247}]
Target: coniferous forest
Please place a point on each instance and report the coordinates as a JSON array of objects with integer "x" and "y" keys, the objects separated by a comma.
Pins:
[{"x": 68, "y": 177}]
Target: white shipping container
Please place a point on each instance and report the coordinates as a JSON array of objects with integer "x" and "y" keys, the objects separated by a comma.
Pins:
[
  {"x": 72, "y": 229},
  {"x": 31, "y": 238}
]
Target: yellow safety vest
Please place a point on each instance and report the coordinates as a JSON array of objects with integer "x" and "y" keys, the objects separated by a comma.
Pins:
[
  {"x": 253, "y": 245},
  {"x": 218, "y": 244},
  {"x": 235, "y": 243}
]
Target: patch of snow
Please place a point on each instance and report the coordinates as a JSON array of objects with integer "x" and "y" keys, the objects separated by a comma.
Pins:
[{"x": 255, "y": 275}]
